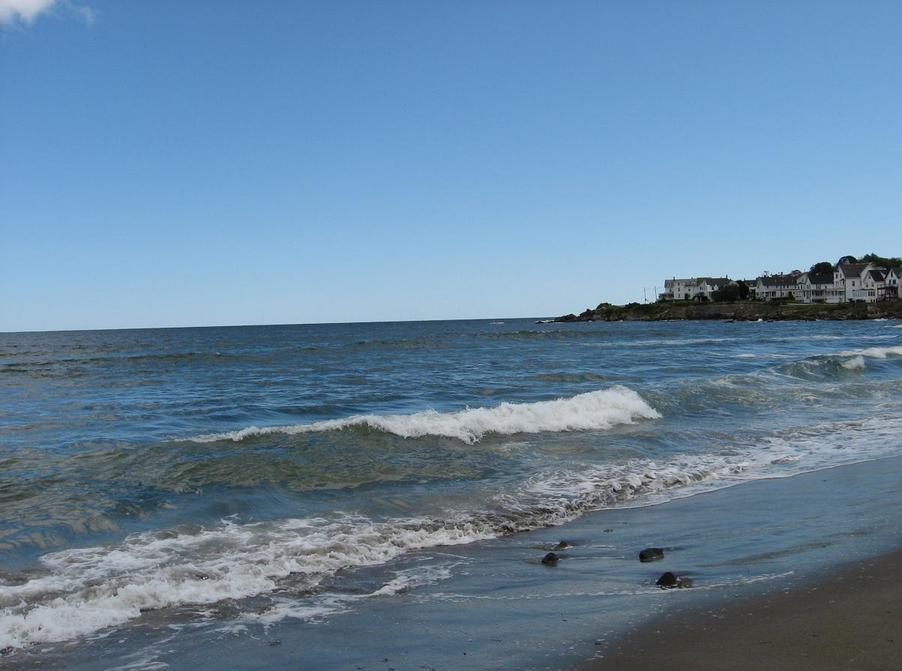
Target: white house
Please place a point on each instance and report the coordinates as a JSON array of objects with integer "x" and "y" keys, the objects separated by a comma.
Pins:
[
  {"x": 817, "y": 287},
  {"x": 848, "y": 276},
  {"x": 679, "y": 290},
  {"x": 873, "y": 285},
  {"x": 692, "y": 288},
  {"x": 893, "y": 287},
  {"x": 848, "y": 282},
  {"x": 708, "y": 285},
  {"x": 771, "y": 287}
]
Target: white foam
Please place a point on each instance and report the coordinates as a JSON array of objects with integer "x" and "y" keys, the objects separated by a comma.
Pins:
[
  {"x": 90, "y": 589},
  {"x": 592, "y": 411},
  {"x": 87, "y": 590},
  {"x": 647, "y": 482},
  {"x": 855, "y": 363},
  {"x": 875, "y": 352},
  {"x": 283, "y": 608}
]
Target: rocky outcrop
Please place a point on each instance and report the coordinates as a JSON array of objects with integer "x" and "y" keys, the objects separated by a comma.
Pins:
[{"x": 739, "y": 311}]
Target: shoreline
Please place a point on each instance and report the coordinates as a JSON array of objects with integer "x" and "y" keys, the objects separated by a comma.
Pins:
[
  {"x": 598, "y": 590},
  {"x": 738, "y": 311},
  {"x": 843, "y": 617}
]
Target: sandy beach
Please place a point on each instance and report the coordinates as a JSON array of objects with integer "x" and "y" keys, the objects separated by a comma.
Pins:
[{"x": 847, "y": 618}]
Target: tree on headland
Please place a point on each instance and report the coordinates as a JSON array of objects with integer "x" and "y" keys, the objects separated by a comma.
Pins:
[
  {"x": 738, "y": 291},
  {"x": 883, "y": 261},
  {"x": 821, "y": 267}
]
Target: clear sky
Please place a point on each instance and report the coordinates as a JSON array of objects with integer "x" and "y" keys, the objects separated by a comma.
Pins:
[{"x": 167, "y": 163}]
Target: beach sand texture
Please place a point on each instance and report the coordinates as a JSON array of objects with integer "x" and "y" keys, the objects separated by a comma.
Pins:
[{"x": 845, "y": 619}]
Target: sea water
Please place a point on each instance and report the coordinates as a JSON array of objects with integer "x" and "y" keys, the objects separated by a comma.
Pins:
[{"x": 342, "y": 496}]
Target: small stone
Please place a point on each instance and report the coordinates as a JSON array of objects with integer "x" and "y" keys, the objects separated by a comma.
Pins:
[
  {"x": 562, "y": 545},
  {"x": 651, "y": 554},
  {"x": 7, "y": 650},
  {"x": 667, "y": 581},
  {"x": 274, "y": 642},
  {"x": 684, "y": 582},
  {"x": 550, "y": 559},
  {"x": 608, "y": 531}
]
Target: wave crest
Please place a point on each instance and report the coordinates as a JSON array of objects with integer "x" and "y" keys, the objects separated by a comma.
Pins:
[
  {"x": 84, "y": 590},
  {"x": 875, "y": 352},
  {"x": 592, "y": 411}
]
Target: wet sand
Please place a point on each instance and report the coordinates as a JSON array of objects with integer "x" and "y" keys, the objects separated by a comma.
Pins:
[{"x": 846, "y": 618}]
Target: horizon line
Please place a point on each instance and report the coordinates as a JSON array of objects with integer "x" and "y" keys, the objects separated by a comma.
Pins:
[{"x": 222, "y": 326}]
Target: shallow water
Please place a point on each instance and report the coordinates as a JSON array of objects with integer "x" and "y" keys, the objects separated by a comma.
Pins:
[{"x": 165, "y": 489}]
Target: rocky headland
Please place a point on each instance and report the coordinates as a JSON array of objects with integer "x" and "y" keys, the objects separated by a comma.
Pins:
[{"x": 738, "y": 311}]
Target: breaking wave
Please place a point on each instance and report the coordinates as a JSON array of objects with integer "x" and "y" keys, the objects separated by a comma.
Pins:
[
  {"x": 855, "y": 363},
  {"x": 875, "y": 352},
  {"x": 85, "y": 590},
  {"x": 592, "y": 411},
  {"x": 832, "y": 364}
]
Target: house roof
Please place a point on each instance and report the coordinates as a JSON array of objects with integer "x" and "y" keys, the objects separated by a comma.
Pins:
[
  {"x": 877, "y": 274},
  {"x": 852, "y": 269},
  {"x": 821, "y": 277},
  {"x": 778, "y": 280},
  {"x": 698, "y": 280}
]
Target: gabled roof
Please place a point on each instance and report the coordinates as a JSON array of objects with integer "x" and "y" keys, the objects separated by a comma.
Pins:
[
  {"x": 779, "y": 280},
  {"x": 877, "y": 274},
  {"x": 852, "y": 269},
  {"x": 821, "y": 277},
  {"x": 698, "y": 280}
]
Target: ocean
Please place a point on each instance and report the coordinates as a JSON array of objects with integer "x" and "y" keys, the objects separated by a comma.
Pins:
[{"x": 380, "y": 495}]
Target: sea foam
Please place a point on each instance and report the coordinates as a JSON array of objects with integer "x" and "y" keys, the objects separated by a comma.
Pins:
[
  {"x": 875, "y": 352},
  {"x": 855, "y": 363},
  {"x": 591, "y": 411},
  {"x": 86, "y": 590}
]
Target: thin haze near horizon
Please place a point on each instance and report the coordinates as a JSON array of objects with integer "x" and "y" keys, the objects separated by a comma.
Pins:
[{"x": 204, "y": 163}]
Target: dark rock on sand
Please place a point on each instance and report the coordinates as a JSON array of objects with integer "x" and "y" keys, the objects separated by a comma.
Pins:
[
  {"x": 563, "y": 545},
  {"x": 668, "y": 581},
  {"x": 550, "y": 559},
  {"x": 651, "y": 554}
]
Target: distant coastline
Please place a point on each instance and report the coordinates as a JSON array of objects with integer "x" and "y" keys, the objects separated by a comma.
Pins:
[{"x": 738, "y": 311}]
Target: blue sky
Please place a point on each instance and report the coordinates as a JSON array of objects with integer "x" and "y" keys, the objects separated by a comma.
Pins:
[{"x": 177, "y": 163}]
